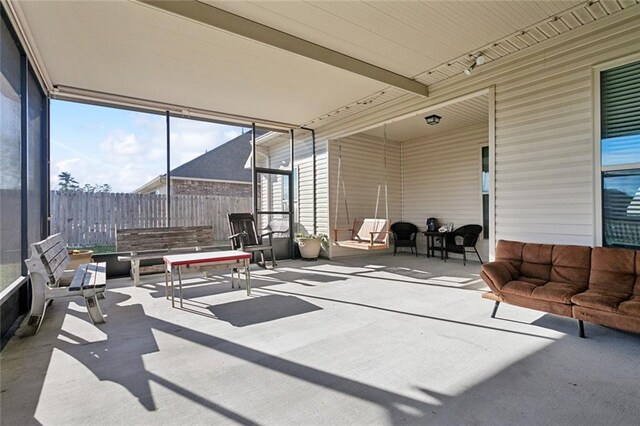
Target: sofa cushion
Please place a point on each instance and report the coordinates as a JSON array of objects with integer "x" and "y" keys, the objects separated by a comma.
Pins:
[
  {"x": 535, "y": 281},
  {"x": 571, "y": 264},
  {"x": 636, "y": 287},
  {"x": 548, "y": 291},
  {"x": 600, "y": 300},
  {"x": 630, "y": 307},
  {"x": 536, "y": 261},
  {"x": 557, "y": 292},
  {"x": 612, "y": 270},
  {"x": 522, "y": 288},
  {"x": 511, "y": 252}
]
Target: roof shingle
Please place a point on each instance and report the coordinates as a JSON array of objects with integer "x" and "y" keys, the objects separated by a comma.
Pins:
[{"x": 225, "y": 162}]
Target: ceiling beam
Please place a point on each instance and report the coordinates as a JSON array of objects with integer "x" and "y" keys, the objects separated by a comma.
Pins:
[{"x": 218, "y": 18}]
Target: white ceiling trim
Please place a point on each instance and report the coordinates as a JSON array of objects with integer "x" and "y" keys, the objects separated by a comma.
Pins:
[
  {"x": 572, "y": 18},
  {"x": 16, "y": 18},
  {"x": 77, "y": 94},
  {"x": 218, "y": 18}
]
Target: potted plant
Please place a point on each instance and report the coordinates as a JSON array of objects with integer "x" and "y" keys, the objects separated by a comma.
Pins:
[
  {"x": 78, "y": 257},
  {"x": 310, "y": 245}
]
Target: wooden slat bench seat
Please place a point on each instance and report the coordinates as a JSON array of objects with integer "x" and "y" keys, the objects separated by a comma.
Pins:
[
  {"x": 47, "y": 264},
  {"x": 154, "y": 243}
]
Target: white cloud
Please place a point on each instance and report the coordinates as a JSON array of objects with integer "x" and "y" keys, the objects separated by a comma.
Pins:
[
  {"x": 190, "y": 139},
  {"x": 118, "y": 144}
]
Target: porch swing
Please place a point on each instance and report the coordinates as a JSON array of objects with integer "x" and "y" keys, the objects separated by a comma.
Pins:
[{"x": 366, "y": 233}]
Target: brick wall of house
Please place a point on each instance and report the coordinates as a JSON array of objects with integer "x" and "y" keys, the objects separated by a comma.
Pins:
[{"x": 196, "y": 187}]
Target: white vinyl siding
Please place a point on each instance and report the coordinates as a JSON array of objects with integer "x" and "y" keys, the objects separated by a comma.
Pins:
[
  {"x": 544, "y": 151},
  {"x": 544, "y": 138},
  {"x": 362, "y": 164},
  {"x": 303, "y": 160},
  {"x": 442, "y": 178}
]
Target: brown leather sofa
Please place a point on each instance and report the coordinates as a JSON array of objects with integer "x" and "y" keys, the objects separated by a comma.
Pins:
[{"x": 599, "y": 285}]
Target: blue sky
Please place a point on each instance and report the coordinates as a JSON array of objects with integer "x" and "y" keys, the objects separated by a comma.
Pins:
[{"x": 122, "y": 148}]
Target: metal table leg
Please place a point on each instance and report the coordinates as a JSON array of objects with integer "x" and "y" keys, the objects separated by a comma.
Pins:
[
  {"x": 180, "y": 282},
  {"x": 166, "y": 283},
  {"x": 247, "y": 275},
  {"x": 173, "y": 290}
]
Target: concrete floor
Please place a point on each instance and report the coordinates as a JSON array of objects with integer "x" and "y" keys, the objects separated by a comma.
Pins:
[{"x": 366, "y": 340}]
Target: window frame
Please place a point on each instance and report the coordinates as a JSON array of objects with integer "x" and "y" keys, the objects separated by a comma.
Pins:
[{"x": 599, "y": 169}]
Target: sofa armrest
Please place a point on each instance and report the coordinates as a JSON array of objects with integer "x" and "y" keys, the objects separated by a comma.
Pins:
[{"x": 497, "y": 274}]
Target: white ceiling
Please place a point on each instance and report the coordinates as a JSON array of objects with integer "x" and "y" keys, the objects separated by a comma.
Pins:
[
  {"x": 407, "y": 37},
  {"x": 132, "y": 49},
  {"x": 454, "y": 116},
  {"x": 129, "y": 49}
]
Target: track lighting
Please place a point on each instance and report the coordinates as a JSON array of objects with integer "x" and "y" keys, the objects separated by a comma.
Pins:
[{"x": 478, "y": 60}]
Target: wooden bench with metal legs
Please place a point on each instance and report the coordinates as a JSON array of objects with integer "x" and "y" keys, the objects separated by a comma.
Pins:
[{"x": 47, "y": 264}]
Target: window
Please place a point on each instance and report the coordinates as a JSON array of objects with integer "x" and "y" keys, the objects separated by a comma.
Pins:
[
  {"x": 10, "y": 160},
  {"x": 620, "y": 153},
  {"x": 485, "y": 191},
  {"x": 23, "y": 142},
  {"x": 104, "y": 163}
]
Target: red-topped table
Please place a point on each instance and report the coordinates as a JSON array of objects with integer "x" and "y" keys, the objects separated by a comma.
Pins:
[{"x": 233, "y": 259}]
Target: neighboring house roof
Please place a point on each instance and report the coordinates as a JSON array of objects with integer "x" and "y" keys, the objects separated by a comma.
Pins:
[{"x": 225, "y": 162}]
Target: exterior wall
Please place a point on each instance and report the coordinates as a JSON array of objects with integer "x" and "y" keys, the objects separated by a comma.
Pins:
[
  {"x": 200, "y": 187},
  {"x": 442, "y": 178},
  {"x": 303, "y": 162},
  {"x": 544, "y": 139},
  {"x": 362, "y": 164},
  {"x": 545, "y": 163}
]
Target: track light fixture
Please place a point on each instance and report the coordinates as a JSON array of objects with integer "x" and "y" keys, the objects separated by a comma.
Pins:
[
  {"x": 432, "y": 120},
  {"x": 479, "y": 59}
]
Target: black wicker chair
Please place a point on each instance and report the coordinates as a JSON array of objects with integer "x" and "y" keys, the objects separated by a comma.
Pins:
[
  {"x": 462, "y": 239},
  {"x": 404, "y": 235}
]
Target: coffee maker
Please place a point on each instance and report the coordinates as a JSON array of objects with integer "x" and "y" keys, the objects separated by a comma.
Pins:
[{"x": 432, "y": 224}]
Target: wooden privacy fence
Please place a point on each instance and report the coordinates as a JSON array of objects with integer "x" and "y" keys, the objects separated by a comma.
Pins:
[{"x": 89, "y": 219}]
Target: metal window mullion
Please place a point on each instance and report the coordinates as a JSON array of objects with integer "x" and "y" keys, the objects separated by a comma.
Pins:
[
  {"x": 168, "y": 202},
  {"x": 24, "y": 187},
  {"x": 290, "y": 182},
  {"x": 45, "y": 164},
  {"x": 268, "y": 171},
  {"x": 254, "y": 177}
]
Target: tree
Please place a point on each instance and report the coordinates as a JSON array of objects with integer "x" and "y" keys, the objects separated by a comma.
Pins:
[
  {"x": 96, "y": 188},
  {"x": 66, "y": 182}
]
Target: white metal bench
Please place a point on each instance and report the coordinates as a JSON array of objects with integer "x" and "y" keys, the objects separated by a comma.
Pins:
[
  {"x": 154, "y": 243},
  {"x": 47, "y": 264}
]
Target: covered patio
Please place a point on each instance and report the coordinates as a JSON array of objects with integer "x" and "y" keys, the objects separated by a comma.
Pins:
[
  {"x": 363, "y": 340},
  {"x": 331, "y": 91}
]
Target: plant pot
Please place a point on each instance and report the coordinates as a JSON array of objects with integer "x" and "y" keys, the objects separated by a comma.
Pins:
[
  {"x": 78, "y": 257},
  {"x": 309, "y": 247}
]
